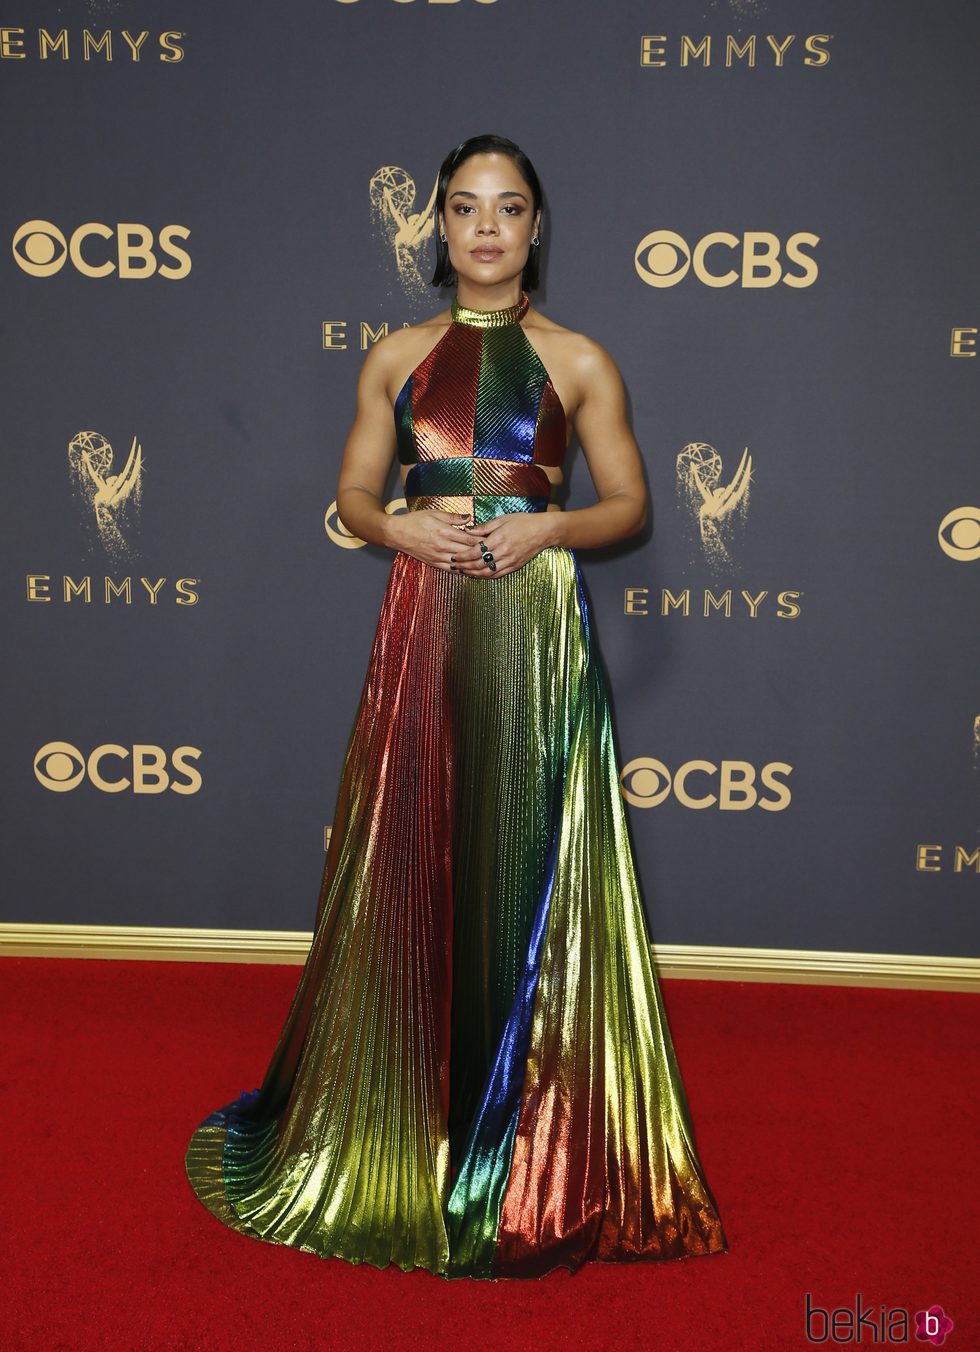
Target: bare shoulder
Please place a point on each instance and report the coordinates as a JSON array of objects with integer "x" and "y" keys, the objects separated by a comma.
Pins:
[
  {"x": 393, "y": 358},
  {"x": 574, "y": 360}
]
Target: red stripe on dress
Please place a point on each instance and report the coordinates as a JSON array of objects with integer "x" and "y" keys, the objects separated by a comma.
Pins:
[
  {"x": 444, "y": 394},
  {"x": 550, "y": 434}
]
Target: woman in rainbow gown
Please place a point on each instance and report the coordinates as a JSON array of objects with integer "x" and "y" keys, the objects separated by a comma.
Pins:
[{"x": 476, "y": 1076}]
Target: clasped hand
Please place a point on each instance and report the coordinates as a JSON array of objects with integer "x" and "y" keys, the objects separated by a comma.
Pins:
[{"x": 445, "y": 540}]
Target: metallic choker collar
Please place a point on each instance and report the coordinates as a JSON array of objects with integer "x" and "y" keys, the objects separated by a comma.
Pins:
[{"x": 491, "y": 319}]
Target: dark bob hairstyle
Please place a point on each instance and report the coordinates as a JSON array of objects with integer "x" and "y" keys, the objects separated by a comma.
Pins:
[{"x": 445, "y": 273}]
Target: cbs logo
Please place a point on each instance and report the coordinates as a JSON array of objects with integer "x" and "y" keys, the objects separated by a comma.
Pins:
[
  {"x": 959, "y": 534},
  {"x": 730, "y": 786},
  {"x": 664, "y": 258},
  {"x": 339, "y": 533},
  {"x": 40, "y": 249},
  {"x": 61, "y": 767}
]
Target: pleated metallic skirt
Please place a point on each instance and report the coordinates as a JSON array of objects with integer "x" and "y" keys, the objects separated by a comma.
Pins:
[{"x": 475, "y": 1075}]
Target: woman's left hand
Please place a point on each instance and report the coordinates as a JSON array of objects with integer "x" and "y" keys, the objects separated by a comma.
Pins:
[{"x": 512, "y": 538}]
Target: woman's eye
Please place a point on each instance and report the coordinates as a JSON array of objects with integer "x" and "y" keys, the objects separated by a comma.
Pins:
[{"x": 510, "y": 208}]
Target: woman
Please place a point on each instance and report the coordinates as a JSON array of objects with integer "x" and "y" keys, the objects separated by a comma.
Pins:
[{"x": 476, "y": 1075}]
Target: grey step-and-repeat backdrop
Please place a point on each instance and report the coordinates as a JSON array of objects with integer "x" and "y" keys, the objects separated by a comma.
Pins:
[{"x": 765, "y": 212}]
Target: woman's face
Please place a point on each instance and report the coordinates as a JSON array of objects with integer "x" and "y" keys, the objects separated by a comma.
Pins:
[{"x": 489, "y": 219}]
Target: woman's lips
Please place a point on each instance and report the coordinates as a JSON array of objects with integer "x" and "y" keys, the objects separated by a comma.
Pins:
[{"x": 487, "y": 255}]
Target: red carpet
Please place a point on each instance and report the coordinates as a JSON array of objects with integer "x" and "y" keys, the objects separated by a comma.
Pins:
[{"x": 837, "y": 1128}]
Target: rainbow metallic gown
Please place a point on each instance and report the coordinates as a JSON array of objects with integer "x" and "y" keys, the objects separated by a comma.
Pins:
[{"x": 475, "y": 1075}]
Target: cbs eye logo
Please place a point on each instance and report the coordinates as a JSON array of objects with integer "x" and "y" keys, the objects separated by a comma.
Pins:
[
  {"x": 339, "y": 533},
  {"x": 730, "y": 786},
  {"x": 40, "y": 249},
  {"x": 959, "y": 534},
  {"x": 61, "y": 767},
  {"x": 664, "y": 258}
]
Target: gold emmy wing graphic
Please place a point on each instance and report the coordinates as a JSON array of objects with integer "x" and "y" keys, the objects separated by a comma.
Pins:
[
  {"x": 720, "y": 509},
  {"x": 108, "y": 496},
  {"x": 403, "y": 230}
]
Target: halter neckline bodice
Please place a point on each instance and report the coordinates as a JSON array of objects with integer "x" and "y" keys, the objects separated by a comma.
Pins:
[
  {"x": 490, "y": 319},
  {"x": 478, "y": 420}
]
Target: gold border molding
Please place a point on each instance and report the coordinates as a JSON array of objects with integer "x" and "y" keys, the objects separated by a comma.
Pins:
[{"x": 694, "y": 961}]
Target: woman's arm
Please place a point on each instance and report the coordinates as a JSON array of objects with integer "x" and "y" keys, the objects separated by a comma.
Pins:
[
  {"x": 430, "y": 536},
  {"x": 368, "y": 454},
  {"x": 612, "y": 455}
]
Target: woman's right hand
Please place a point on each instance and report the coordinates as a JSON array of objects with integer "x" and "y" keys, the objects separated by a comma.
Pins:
[{"x": 433, "y": 536}]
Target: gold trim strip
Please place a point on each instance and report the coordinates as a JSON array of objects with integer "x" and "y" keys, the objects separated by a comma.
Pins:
[
  {"x": 692, "y": 961},
  {"x": 490, "y": 319}
]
